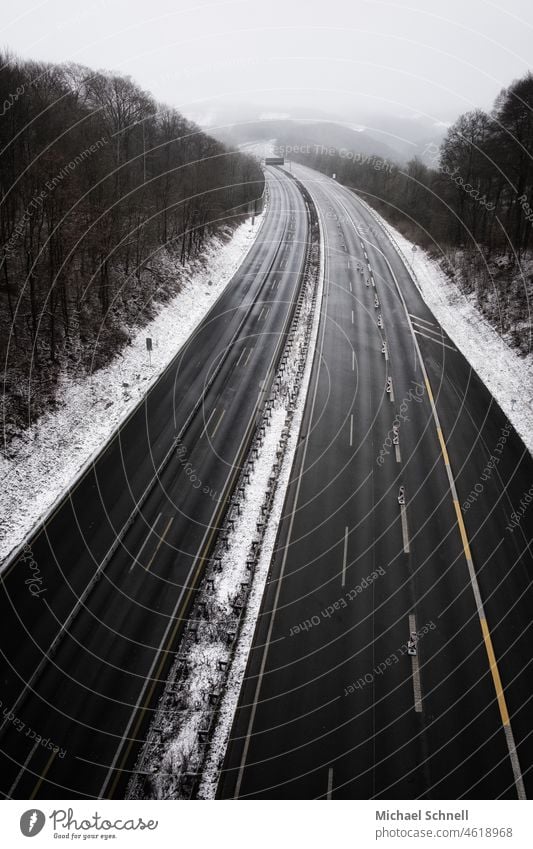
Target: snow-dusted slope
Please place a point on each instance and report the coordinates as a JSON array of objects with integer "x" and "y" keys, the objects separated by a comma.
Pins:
[{"x": 47, "y": 458}]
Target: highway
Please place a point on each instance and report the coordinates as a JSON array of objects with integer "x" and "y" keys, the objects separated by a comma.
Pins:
[
  {"x": 393, "y": 653},
  {"x": 83, "y": 661}
]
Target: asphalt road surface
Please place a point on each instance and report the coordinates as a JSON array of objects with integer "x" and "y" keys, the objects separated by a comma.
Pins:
[
  {"x": 83, "y": 661},
  {"x": 392, "y": 656}
]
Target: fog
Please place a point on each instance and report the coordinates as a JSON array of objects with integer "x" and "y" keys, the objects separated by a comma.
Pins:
[{"x": 354, "y": 61}]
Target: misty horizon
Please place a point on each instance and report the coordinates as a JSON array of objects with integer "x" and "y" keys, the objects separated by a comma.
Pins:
[{"x": 363, "y": 64}]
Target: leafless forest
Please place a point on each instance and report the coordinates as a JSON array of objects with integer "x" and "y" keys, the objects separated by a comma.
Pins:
[
  {"x": 469, "y": 201},
  {"x": 96, "y": 180}
]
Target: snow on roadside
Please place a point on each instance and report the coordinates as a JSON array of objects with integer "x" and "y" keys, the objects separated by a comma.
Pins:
[
  {"x": 203, "y": 687},
  {"x": 506, "y": 375},
  {"x": 180, "y": 731},
  {"x": 259, "y": 149},
  {"x": 228, "y": 707},
  {"x": 48, "y": 457}
]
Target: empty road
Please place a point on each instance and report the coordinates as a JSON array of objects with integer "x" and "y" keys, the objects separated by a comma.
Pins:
[
  {"x": 83, "y": 662},
  {"x": 392, "y": 656}
]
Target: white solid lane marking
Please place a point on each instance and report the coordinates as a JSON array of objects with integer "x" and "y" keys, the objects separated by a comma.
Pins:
[
  {"x": 417, "y": 688},
  {"x": 438, "y": 340},
  {"x": 438, "y": 331},
  {"x": 417, "y": 318},
  {"x": 344, "y": 556}
]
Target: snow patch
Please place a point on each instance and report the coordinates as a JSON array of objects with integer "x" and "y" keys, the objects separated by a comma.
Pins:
[
  {"x": 203, "y": 688},
  {"x": 507, "y": 376},
  {"x": 48, "y": 457}
]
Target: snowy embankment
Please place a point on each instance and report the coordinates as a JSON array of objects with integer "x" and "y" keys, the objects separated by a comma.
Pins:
[
  {"x": 46, "y": 459},
  {"x": 507, "y": 376}
]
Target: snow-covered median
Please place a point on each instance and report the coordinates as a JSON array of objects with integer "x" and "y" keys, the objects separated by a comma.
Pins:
[
  {"x": 47, "y": 458},
  {"x": 185, "y": 747},
  {"x": 508, "y": 376}
]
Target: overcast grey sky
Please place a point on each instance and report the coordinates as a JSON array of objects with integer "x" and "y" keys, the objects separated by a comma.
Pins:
[{"x": 347, "y": 57}]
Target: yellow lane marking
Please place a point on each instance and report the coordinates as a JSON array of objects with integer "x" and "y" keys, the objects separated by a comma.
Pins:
[
  {"x": 517, "y": 772},
  {"x": 443, "y": 447},
  {"x": 161, "y": 538},
  {"x": 495, "y": 672},
  {"x": 462, "y": 529},
  {"x": 489, "y": 648},
  {"x": 42, "y": 776}
]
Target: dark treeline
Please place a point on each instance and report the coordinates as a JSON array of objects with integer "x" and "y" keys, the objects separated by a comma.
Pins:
[
  {"x": 472, "y": 203},
  {"x": 96, "y": 179},
  {"x": 479, "y": 186}
]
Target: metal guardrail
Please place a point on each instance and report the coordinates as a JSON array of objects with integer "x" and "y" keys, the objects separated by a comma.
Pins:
[{"x": 171, "y": 701}]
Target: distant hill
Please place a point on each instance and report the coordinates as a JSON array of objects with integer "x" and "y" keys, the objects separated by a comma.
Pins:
[
  {"x": 288, "y": 133},
  {"x": 393, "y": 137}
]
